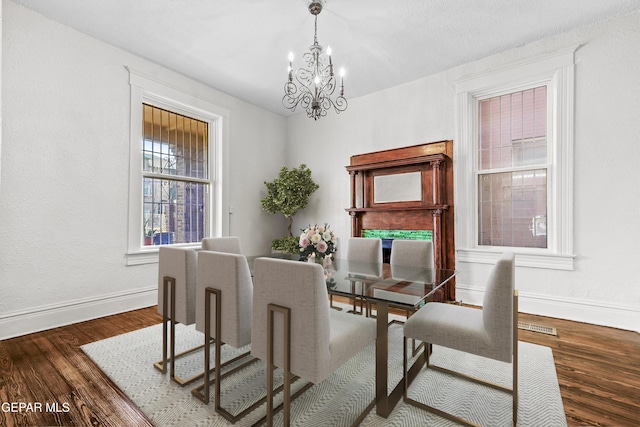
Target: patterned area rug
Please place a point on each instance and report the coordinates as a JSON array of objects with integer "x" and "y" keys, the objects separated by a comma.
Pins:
[{"x": 128, "y": 360}]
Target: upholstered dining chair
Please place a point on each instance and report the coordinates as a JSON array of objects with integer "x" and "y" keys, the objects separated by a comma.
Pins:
[
  {"x": 491, "y": 332},
  {"x": 406, "y": 255},
  {"x": 364, "y": 256},
  {"x": 293, "y": 327},
  {"x": 229, "y": 244},
  {"x": 176, "y": 302},
  {"x": 412, "y": 253},
  {"x": 223, "y": 314}
]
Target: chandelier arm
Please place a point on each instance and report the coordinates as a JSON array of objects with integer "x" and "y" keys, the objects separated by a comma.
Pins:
[{"x": 293, "y": 97}]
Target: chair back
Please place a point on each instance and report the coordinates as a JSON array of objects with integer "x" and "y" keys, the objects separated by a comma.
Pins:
[
  {"x": 179, "y": 263},
  {"x": 364, "y": 249},
  {"x": 498, "y": 309},
  {"x": 364, "y": 256},
  {"x": 230, "y": 244},
  {"x": 230, "y": 274},
  {"x": 301, "y": 287},
  {"x": 409, "y": 255},
  {"x": 412, "y": 253}
]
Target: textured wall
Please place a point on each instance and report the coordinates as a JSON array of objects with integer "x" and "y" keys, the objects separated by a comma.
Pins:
[
  {"x": 65, "y": 168},
  {"x": 64, "y": 171}
]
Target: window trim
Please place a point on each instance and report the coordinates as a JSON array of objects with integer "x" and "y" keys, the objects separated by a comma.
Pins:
[
  {"x": 171, "y": 97},
  {"x": 556, "y": 71}
]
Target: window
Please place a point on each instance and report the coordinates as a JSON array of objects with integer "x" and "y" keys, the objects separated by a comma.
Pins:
[
  {"x": 514, "y": 155},
  {"x": 175, "y": 189},
  {"x": 175, "y": 175},
  {"x": 512, "y": 169}
]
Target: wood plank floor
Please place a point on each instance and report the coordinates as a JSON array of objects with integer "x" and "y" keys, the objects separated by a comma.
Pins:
[{"x": 598, "y": 371}]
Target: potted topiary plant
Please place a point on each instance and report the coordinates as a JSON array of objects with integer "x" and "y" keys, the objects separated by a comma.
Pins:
[{"x": 288, "y": 193}]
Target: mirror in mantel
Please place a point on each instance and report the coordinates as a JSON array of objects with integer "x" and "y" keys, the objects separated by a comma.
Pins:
[{"x": 400, "y": 187}]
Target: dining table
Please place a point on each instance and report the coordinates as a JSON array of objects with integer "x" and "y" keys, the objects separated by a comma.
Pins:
[{"x": 384, "y": 285}]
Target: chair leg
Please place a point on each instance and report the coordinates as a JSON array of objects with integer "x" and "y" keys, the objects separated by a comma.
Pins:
[
  {"x": 405, "y": 373},
  {"x": 202, "y": 392},
  {"x": 271, "y": 392},
  {"x": 515, "y": 359},
  {"x": 218, "y": 369},
  {"x": 331, "y": 303},
  {"x": 168, "y": 316},
  {"x": 428, "y": 350},
  {"x": 207, "y": 334},
  {"x": 286, "y": 312}
]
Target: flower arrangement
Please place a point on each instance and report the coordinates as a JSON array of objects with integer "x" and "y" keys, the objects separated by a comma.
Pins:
[{"x": 318, "y": 242}]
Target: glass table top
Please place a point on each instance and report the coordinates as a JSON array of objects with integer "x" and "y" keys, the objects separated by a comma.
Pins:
[{"x": 400, "y": 285}]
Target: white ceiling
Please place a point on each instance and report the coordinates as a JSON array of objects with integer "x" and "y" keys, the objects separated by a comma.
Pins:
[{"x": 241, "y": 46}]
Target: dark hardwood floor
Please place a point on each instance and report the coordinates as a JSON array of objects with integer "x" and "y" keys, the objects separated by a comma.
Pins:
[
  {"x": 50, "y": 368},
  {"x": 598, "y": 372}
]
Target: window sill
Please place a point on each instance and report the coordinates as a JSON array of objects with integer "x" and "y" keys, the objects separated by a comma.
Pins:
[
  {"x": 150, "y": 256},
  {"x": 523, "y": 259},
  {"x": 140, "y": 258}
]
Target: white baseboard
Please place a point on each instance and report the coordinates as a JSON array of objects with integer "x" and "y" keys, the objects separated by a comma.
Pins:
[
  {"x": 619, "y": 316},
  {"x": 14, "y": 324},
  {"x": 52, "y": 316}
]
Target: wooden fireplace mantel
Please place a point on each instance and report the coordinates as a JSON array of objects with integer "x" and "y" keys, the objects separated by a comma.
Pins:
[{"x": 431, "y": 210}]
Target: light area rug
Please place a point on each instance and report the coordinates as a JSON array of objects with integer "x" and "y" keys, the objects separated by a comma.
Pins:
[{"x": 337, "y": 401}]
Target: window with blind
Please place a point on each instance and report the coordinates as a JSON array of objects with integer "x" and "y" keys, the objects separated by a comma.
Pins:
[
  {"x": 512, "y": 169},
  {"x": 175, "y": 177},
  {"x": 514, "y": 173}
]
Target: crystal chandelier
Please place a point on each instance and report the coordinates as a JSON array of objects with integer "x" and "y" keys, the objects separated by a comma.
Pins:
[{"x": 312, "y": 86}]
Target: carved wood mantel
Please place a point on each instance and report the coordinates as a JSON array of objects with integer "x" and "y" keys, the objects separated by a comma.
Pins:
[{"x": 429, "y": 207}]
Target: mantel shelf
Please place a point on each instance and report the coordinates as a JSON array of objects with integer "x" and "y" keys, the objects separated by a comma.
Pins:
[{"x": 399, "y": 208}]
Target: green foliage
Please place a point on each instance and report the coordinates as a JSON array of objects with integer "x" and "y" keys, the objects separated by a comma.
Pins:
[
  {"x": 287, "y": 244},
  {"x": 289, "y": 192}
]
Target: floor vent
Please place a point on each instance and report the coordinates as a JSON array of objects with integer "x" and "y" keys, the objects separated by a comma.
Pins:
[{"x": 537, "y": 328}]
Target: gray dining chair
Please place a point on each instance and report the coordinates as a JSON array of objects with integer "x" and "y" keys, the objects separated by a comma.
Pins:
[
  {"x": 411, "y": 260},
  {"x": 364, "y": 256},
  {"x": 176, "y": 303},
  {"x": 294, "y": 329},
  {"x": 412, "y": 253},
  {"x": 491, "y": 332},
  {"x": 229, "y": 244},
  {"x": 223, "y": 315}
]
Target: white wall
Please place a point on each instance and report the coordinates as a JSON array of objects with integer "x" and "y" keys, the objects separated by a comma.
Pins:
[
  {"x": 64, "y": 194},
  {"x": 0, "y": 96},
  {"x": 64, "y": 172},
  {"x": 604, "y": 287}
]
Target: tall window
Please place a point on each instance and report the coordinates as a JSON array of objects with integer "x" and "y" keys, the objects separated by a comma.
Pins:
[
  {"x": 176, "y": 190},
  {"x": 175, "y": 172},
  {"x": 512, "y": 169},
  {"x": 513, "y": 155}
]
